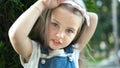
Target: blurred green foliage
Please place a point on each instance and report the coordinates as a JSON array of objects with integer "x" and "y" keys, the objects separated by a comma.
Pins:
[{"x": 9, "y": 12}]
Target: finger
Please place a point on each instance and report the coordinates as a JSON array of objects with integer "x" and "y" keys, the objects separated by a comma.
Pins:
[
  {"x": 58, "y": 1},
  {"x": 49, "y": 1},
  {"x": 46, "y": 3},
  {"x": 61, "y": 0}
]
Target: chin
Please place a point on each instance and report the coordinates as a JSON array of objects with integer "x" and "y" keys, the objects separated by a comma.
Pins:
[{"x": 54, "y": 48}]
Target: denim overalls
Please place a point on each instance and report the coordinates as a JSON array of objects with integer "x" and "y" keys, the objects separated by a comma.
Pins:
[{"x": 62, "y": 59}]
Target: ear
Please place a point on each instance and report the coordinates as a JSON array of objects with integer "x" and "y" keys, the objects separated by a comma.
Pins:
[{"x": 89, "y": 31}]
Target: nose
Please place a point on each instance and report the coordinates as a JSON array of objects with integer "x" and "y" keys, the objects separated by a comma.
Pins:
[{"x": 60, "y": 34}]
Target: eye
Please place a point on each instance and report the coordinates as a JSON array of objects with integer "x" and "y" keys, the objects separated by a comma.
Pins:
[
  {"x": 55, "y": 24},
  {"x": 69, "y": 31}
]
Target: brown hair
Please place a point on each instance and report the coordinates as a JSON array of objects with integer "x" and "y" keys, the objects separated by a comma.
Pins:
[
  {"x": 41, "y": 26},
  {"x": 39, "y": 31}
]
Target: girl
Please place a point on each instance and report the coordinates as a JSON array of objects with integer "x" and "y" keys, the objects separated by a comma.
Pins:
[{"x": 61, "y": 28}]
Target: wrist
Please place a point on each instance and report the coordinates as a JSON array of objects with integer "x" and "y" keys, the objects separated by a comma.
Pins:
[{"x": 39, "y": 5}]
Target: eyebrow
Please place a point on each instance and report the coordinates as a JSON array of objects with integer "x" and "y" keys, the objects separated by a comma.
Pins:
[
  {"x": 72, "y": 28},
  {"x": 55, "y": 20}
]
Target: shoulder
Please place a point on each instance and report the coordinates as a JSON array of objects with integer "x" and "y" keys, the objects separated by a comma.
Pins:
[
  {"x": 76, "y": 50},
  {"x": 36, "y": 47},
  {"x": 35, "y": 43}
]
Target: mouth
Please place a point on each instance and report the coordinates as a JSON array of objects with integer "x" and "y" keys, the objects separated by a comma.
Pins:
[{"x": 56, "y": 42}]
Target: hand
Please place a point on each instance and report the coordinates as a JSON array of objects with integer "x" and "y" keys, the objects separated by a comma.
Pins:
[{"x": 51, "y": 3}]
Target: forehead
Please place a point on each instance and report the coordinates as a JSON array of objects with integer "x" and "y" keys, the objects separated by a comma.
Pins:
[{"x": 65, "y": 16}]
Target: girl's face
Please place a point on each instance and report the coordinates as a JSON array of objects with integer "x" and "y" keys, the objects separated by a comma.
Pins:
[{"x": 63, "y": 28}]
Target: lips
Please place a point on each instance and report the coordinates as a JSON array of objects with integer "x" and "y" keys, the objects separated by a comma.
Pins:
[{"x": 56, "y": 42}]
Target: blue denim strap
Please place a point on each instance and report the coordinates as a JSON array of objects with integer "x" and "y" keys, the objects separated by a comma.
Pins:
[
  {"x": 68, "y": 49},
  {"x": 57, "y": 62}
]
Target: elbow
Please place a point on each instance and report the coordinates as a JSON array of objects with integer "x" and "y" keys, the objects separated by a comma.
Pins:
[
  {"x": 12, "y": 34},
  {"x": 93, "y": 17},
  {"x": 13, "y": 39}
]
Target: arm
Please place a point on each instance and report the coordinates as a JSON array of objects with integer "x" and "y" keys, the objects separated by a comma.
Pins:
[
  {"x": 86, "y": 36},
  {"x": 89, "y": 30},
  {"x": 19, "y": 31}
]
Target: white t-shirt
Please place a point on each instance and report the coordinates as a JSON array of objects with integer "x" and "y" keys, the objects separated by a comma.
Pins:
[{"x": 36, "y": 53}]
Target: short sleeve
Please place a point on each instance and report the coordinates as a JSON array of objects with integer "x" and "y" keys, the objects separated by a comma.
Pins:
[
  {"x": 34, "y": 58},
  {"x": 76, "y": 55}
]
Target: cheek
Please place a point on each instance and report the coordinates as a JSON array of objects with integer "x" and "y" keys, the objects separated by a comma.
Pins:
[
  {"x": 69, "y": 39},
  {"x": 51, "y": 31}
]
